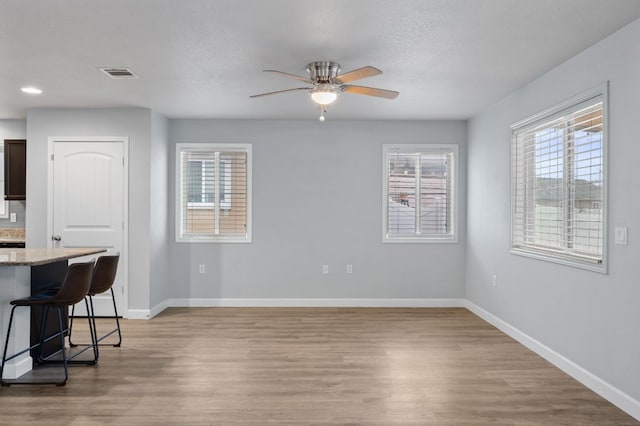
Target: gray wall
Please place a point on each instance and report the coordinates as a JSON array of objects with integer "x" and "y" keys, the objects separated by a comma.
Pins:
[
  {"x": 160, "y": 235},
  {"x": 13, "y": 129},
  {"x": 134, "y": 123},
  {"x": 317, "y": 200},
  {"x": 590, "y": 318},
  {"x": 17, "y": 207}
]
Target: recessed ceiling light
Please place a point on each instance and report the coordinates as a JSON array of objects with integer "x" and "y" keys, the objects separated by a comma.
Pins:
[{"x": 31, "y": 90}]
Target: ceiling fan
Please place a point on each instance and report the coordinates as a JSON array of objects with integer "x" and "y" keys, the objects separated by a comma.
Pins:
[{"x": 327, "y": 82}]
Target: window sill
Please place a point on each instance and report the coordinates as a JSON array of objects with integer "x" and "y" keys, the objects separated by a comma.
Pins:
[
  {"x": 196, "y": 239},
  {"x": 420, "y": 240},
  {"x": 574, "y": 262}
]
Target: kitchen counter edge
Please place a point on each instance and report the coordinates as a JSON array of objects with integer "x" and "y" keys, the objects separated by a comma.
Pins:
[{"x": 42, "y": 256}]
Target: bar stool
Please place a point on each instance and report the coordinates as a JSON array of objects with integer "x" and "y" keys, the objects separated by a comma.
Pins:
[
  {"x": 74, "y": 288},
  {"x": 104, "y": 275}
]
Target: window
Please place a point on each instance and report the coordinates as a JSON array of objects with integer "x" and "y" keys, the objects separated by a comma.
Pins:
[
  {"x": 213, "y": 192},
  {"x": 559, "y": 181},
  {"x": 419, "y": 193}
]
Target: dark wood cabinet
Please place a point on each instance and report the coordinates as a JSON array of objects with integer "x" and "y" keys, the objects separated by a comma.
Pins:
[{"x": 15, "y": 169}]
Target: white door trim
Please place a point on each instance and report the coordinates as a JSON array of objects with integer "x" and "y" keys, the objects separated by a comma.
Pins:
[{"x": 124, "y": 254}]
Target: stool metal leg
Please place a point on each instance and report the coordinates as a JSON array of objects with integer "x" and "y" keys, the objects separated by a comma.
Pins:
[
  {"x": 43, "y": 339},
  {"x": 70, "y": 360},
  {"x": 43, "y": 325},
  {"x": 71, "y": 317},
  {"x": 6, "y": 346},
  {"x": 115, "y": 310},
  {"x": 92, "y": 328},
  {"x": 62, "y": 345},
  {"x": 92, "y": 315}
]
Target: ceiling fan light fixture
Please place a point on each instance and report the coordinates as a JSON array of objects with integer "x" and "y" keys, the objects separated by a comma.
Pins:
[{"x": 324, "y": 95}]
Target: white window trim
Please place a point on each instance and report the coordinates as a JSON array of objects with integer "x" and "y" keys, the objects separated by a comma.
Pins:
[
  {"x": 601, "y": 90},
  {"x": 247, "y": 237},
  {"x": 420, "y": 239}
]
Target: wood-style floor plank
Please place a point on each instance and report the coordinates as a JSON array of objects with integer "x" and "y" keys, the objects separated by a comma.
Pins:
[{"x": 316, "y": 366}]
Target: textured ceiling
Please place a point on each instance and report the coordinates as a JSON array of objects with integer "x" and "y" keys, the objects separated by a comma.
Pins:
[{"x": 203, "y": 58}]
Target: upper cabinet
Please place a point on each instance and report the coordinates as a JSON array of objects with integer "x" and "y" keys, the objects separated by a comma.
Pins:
[{"x": 15, "y": 169}]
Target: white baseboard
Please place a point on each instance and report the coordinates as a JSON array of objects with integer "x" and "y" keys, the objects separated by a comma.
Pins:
[
  {"x": 159, "y": 308},
  {"x": 319, "y": 303},
  {"x": 137, "y": 314},
  {"x": 293, "y": 303},
  {"x": 15, "y": 369},
  {"x": 614, "y": 395},
  {"x": 147, "y": 313}
]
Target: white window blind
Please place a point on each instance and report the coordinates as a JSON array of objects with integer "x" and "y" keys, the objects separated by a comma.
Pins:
[
  {"x": 558, "y": 185},
  {"x": 213, "y": 192},
  {"x": 419, "y": 193}
]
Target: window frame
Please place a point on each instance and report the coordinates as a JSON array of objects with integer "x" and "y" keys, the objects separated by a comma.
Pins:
[
  {"x": 453, "y": 181},
  {"x": 179, "y": 201},
  {"x": 566, "y": 107}
]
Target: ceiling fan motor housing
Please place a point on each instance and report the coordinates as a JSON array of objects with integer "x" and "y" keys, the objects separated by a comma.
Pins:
[{"x": 323, "y": 71}]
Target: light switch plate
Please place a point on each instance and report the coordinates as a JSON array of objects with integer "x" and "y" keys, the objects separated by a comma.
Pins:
[
  {"x": 12, "y": 217},
  {"x": 621, "y": 235}
]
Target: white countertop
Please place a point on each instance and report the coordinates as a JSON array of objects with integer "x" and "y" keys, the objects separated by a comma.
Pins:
[{"x": 41, "y": 256}]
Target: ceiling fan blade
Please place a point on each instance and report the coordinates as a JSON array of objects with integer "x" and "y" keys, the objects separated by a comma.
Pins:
[
  {"x": 286, "y": 74},
  {"x": 370, "y": 91},
  {"x": 358, "y": 74},
  {"x": 280, "y": 91}
]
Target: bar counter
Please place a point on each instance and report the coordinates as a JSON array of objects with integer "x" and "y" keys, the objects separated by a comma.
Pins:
[
  {"x": 25, "y": 271},
  {"x": 42, "y": 256}
]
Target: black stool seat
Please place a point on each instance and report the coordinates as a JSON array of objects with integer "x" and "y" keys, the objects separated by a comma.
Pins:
[
  {"x": 35, "y": 300},
  {"x": 74, "y": 289}
]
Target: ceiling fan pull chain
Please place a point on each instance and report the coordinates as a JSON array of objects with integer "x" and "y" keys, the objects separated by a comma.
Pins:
[{"x": 323, "y": 110}]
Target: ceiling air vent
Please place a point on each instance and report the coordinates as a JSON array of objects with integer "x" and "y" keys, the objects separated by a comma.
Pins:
[{"x": 119, "y": 73}]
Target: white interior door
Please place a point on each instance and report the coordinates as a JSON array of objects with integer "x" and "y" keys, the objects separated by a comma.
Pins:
[{"x": 87, "y": 204}]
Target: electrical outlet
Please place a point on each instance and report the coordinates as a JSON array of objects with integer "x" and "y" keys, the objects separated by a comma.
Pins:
[
  {"x": 620, "y": 235},
  {"x": 325, "y": 269},
  {"x": 13, "y": 218},
  {"x": 495, "y": 281},
  {"x": 349, "y": 269},
  {"x": 201, "y": 268}
]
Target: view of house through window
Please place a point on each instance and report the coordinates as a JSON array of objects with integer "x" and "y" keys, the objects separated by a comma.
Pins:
[
  {"x": 558, "y": 180},
  {"x": 213, "y": 192},
  {"x": 201, "y": 174},
  {"x": 419, "y": 193}
]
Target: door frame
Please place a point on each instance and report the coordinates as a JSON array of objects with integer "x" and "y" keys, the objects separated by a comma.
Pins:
[{"x": 124, "y": 253}]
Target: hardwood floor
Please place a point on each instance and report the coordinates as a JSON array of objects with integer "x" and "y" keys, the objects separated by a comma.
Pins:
[{"x": 282, "y": 366}]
